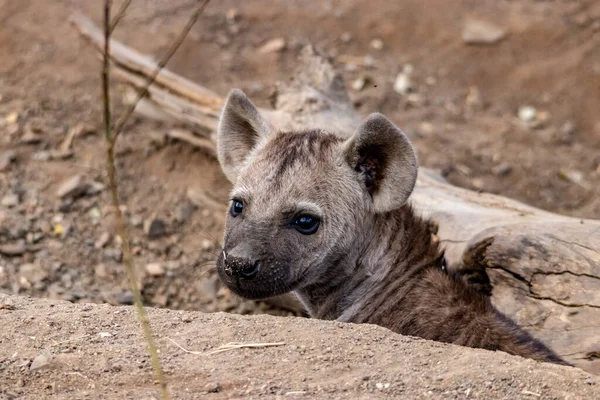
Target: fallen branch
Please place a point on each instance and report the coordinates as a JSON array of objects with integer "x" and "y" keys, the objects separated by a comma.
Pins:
[{"x": 227, "y": 347}]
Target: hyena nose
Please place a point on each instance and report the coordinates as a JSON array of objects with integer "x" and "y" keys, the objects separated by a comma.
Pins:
[{"x": 241, "y": 267}]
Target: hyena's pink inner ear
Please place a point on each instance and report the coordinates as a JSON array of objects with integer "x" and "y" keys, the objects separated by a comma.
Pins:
[
  {"x": 241, "y": 128},
  {"x": 384, "y": 160}
]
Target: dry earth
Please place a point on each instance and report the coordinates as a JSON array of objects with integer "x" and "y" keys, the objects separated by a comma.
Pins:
[
  {"x": 56, "y": 349},
  {"x": 461, "y": 113}
]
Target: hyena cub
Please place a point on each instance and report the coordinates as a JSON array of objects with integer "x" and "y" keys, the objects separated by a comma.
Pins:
[{"x": 326, "y": 217}]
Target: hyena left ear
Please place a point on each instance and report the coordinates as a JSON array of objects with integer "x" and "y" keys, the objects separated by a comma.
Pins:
[
  {"x": 241, "y": 128},
  {"x": 384, "y": 160}
]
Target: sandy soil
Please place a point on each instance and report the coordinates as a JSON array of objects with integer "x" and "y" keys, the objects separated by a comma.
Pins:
[
  {"x": 52, "y": 349},
  {"x": 462, "y": 115}
]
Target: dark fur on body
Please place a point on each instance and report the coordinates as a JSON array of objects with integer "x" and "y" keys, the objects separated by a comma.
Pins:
[
  {"x": 419, "y": 297},
  {"x": 372, "y": 260}
]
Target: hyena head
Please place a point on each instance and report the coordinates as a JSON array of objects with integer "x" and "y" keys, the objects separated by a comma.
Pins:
[{"x": 300, "y": 200}]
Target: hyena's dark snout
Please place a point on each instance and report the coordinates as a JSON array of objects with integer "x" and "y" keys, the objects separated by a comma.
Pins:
[{"x": 239, "y": 264}]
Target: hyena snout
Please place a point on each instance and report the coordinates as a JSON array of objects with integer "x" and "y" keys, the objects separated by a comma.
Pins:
[{"x": 240, "y": 265}]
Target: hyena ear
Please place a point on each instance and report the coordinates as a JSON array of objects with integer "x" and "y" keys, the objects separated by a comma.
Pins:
[
  {"x": 385, "y": 161},
  {"x": 240, "y": 129}
]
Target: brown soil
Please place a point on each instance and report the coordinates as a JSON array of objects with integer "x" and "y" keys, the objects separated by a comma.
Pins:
[
  {"x": 464, "y": 120},
  {"x": 82, "y": 351}
]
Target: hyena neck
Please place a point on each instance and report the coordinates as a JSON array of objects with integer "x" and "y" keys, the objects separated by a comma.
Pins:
[{"x": 393, "y": 245}]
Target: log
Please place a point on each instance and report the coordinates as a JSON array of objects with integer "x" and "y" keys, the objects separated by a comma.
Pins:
[{"x": 544, "y": 267}]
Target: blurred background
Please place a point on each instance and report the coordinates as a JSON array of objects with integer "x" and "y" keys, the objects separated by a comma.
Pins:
[{"x": 502, "y": 96}]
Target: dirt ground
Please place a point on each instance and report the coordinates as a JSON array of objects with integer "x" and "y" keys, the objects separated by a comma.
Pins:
[
  {"x": 462, "y": 114},
  {"x": 80, "y": 351}
]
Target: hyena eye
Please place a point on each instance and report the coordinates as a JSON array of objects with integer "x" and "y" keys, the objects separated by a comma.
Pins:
[
  {"x": 306, "y": 224},
  {"x": 237, "y": 207}
]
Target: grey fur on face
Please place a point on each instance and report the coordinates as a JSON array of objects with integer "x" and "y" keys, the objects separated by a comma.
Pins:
[{"x": 326, "y": 217}]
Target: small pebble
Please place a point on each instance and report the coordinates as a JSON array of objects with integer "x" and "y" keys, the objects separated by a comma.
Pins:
[
  {"x": 527, "y": 114},
  {"x": 10, "y": 200},
  {"x": 39, "y": 362},
  {"x": 155, "y": 269},
  {"x": 212, "y": 387},
  {"x": 125, "y": 298},
  {"x": 377, "y": 44},
  {"x": 272, "y": 46},
  {"x": 155, "y": 228},
  {"x": 502, "y": 169},
  {"x": 103, "y": 240}
]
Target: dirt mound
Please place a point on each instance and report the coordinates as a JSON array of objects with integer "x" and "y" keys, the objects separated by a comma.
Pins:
[{"x": 67, "y": 351}]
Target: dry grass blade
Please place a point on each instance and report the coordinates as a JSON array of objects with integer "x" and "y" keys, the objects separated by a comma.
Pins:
[
  {"x": 120, "y": 15},
  {"x": 227, "y": 347},
  {"x": 143, "y": 92}
]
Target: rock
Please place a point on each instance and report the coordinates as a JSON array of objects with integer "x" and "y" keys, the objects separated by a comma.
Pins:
[
  {"x": 32, "y": 273},
  {"x": 10, "y": 200},
  {"x": 212, "y": 387},
  {"x": 155, "y": 269},
  {"x": 103, "y": 240},
  {"x": 527, "y": 114},
  {"x": 481, "y": 32},
  {"x": 100, "y": 271},
  {"x": 272, "y": 46},
  {"x": 136, "y": 221},
  {"x": 155, "y": 228},
  {"x": 73, "y": 187},
  {"x": 502, "y": 169},
  {"x": 207, "y": 244},
  {"x": 39, "y": 362},
  {"x": 207, "y": 289},
  {"x": 30, "y": 137},
  {"x": 377, "y": 44},
  {"x": 125, "y": 298},
  {"x": 94, "y": 188},
  {"x": 114, "y": 254},
  {"x": 403, "y": 84},
  {"x": 346, "y": 37},
  {"x": 105, "y": 334},
  {"x": 571, "y": 175},
  {"x": 13, "y": 249},
  {"x": 185, "y": 211},
  {"x": 6, "y": 159},
  {"x": 359, "y": 84},
  {"x": 232, "y": 15},
  {"x": 43, "y": 155}
]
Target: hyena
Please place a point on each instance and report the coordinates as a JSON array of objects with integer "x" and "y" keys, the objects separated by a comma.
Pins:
[{"x": 327, "y": 217}]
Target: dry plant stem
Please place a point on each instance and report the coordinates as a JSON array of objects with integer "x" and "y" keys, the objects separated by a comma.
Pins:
[
  {"x": 143, "y": 92},
  {"x": 120, "y": 15},
  {"x": 128, "y": 257}
]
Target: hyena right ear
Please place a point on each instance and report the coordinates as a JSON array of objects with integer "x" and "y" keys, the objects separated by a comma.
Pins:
[{"x": 241, "y": 128}]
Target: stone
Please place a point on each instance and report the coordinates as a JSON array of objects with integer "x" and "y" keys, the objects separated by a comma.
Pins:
[
  {"x": 32, "y": 273},
  {"x": 185, "y": 211},
  {"x": 155, "y": 269},
  {"x": 481, "y": 32},
  {"x": 155, "y": 228},
  {"x": 7, "y": 159},
  {"x": 272, "y": 46},
  {"x": 359, "y": 84},
  {"x": 403, "y": 84},
  {"x": 73, "y": 187},
  {"x": 125, "y": 298},
  {"x": 13, "y": 249},
  {"x": 212, "y": 387},
  {"x": 103, "y": 240},
  {"x": 377, "y": 44},
  {"x": 502, "y": 169},
  {"x": 10, "y": 200},
  {"x": 100, "y": 271},
  {"x": 39, "y": 362},
  {"x": 527, "y": 114}
]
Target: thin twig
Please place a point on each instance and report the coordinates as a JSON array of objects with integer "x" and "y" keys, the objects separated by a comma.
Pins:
[
  {"x": 143, "y": 91},
  {"x": 120, "y": 15},
  {"x": 227, "y": 347},
  {"x": 120, "y": 221}
]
